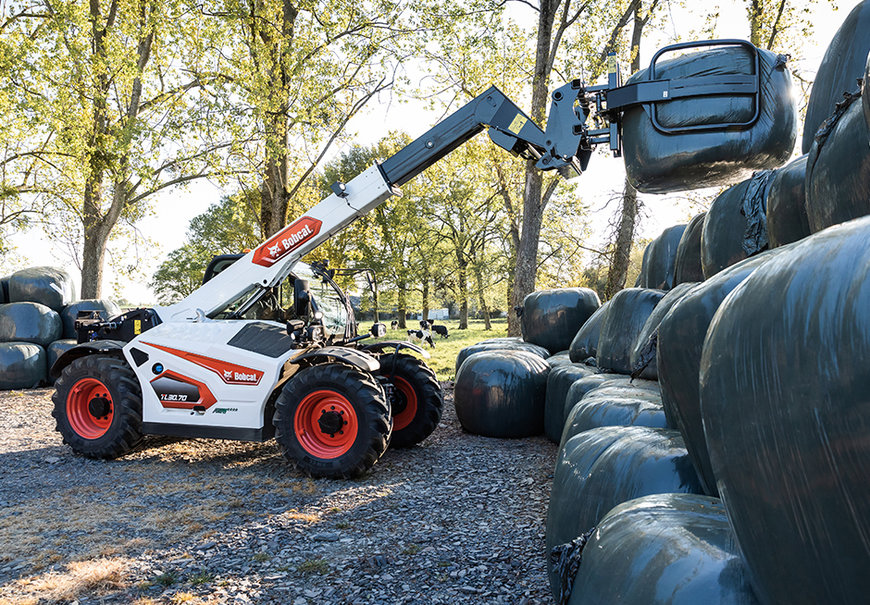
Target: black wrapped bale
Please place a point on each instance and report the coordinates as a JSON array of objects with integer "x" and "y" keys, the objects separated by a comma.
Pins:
[
  {"x": 678, "y": 358},
  {"x": 502, "y": 394},
  {"x": 4, "y": 290},
  {"x": 106, "y": 308},
  {"x": 562, "y": 358},
  {"x": 500, "y": 344},
  {"x": 786, "y": 204},
  {"x": 643, "y": 353},
  {"x": 736, "y": 225},
  {"x": 48, "y": 286},
  {"x": 607, "y": 406},
  {"x": 841, "y": 66},
  {"x": 551, "y": 318},
  {"x": 665, "y": 549},
  {"x": 687, "y": 262},
  {"x": 598, "y": 469},
  {"x": 559, "y": 381},
  {"x": 657, "y": 270},
  {"x": 656, "y": 162},
  {"x": 58, "y": 348},
  {"x": 22, "y": 365},
  {"x": 866, "y": 98},
  {"x": 29, "y": 322},
  {"x": 585, "y": 342},
  {"x": 785, "y": 401},
  {"x": 629, "y": 310},
  {"x": 838, "y": 168},
  {"x": 579, "y": 388}
]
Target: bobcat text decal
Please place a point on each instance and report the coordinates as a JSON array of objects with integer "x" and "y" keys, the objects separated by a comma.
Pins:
[
  {"x": 230, "y": 373},
  {"x": 287, "y": 239}
]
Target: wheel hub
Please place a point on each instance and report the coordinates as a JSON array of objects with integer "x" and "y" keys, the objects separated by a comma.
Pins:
[
  {"x": 331, "y": 422},
  {"x": 99, "y": 407}
]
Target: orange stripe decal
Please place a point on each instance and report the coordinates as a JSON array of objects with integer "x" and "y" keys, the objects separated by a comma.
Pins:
[{"x": 230, "y": 373}]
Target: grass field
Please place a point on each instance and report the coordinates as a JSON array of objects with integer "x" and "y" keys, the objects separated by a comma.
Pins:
[{"x": 444, "y": 354}]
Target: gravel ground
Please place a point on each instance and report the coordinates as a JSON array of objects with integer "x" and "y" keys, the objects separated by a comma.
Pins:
[{"x": 459, "y": 519}]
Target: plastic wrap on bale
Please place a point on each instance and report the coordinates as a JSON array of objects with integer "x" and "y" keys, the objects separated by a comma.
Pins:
[
  {"x": 657, "y": 270},
  {"x": 657, "y": 162},
  {"x": 736, "y": 225},
  {"x": 786, "y": 204},
  {"x": 500, "y": 344},
  {"x": 838, "y": 168},
  {"x": 678, "y": 357},
  {"x": 866, "y": 86},
  {"x": 585, "y": 343},
  {"x": 687, "y": 261},
  {"x": 29, "y": 322},
  {"x": 48, "y": 286},
  {"x": 22, "y": 365},
  {"x": 785, "y": 401},
  {"x": 840, "y": 68},
  {"x": 559, "y": 381},
  {"x": 610, "y": 405},
  {"x": 105, "y": 307},
  {"x": 666, "y": 549},
  {"x": 4, "y": 290},
  {"x": 603, "y": 467},
  {"x": 562, "y": 358},
  {"x": 58, "y": 348},
  {"x": 643, "y": 353},
  {"x": 502, "y": 394},
  {"x": 629, "y": 310},
  {"x": 551, "y": 318}
]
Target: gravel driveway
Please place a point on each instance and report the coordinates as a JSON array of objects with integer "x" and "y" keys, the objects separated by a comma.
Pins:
[{"x": 459, "y": 519}]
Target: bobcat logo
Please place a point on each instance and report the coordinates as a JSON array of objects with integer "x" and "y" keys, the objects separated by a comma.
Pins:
[
  {"x": 228, "y": 374},
  {"x": 275, "y": 250}
]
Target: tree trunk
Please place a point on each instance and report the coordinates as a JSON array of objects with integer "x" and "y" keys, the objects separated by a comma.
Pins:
[
  {"x": 274, "y": 192},
  {"x": 618, "y": 270},
  {"x": 95, "y": 238},
  {"x": 756, "y": 14},
  {"x": 425, "y": 295},
  {"x": 401, "y": 305},
  {"x": 481, "y": 299},
  {"x": 463, "y": 297}
]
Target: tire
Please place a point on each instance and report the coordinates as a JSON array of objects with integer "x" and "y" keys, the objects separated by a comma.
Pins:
[
  {"x": 419, "y": 401},
  {"x": 108, "y": 385},
  {"x": 360, "y": 403}
]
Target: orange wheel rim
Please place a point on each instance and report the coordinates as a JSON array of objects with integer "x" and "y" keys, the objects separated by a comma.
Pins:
[
  {"x": 325, "y": 424},
  {"x": 404, "y": 418},
  {"x": 89, "y": 408}
]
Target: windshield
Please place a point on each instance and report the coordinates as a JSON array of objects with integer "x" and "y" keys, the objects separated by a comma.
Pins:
[
  {"x": 229, "y": 310},
  {"x": 326, "y": 300}
]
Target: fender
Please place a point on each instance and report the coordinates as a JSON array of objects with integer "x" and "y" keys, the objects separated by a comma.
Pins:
[
  {"x": 112, "y": 347},
  {"x": 357, "y": 358},
  {"x": 383, "y": 346}
]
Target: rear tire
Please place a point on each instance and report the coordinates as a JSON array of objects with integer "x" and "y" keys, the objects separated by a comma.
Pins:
[
  {"x": 332, "y": 420},
  {"x": 98, "y": 407},
  {"x": 422, "y": 401}
]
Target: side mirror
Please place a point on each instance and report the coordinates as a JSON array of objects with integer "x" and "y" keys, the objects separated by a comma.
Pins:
[
  {"x": 301, "y": 298},
  {"x": 379, "y": 330}
]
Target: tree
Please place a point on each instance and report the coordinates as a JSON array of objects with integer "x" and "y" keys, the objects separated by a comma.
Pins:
[{"x": 111, "y": 119}]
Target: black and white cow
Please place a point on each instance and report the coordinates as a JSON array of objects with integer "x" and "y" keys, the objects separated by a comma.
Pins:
[
  {"x": 441, "y": 330},
  {"x": 421, "y": 336}
]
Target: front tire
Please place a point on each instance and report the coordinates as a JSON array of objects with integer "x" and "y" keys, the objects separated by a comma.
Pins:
[
  {"x": 332, "y": 420},
  {"x": 420, "y": 401},
  {"x": 98, "y": 407}
]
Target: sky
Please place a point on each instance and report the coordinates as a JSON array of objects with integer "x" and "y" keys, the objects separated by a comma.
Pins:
[{"x": 167, "y": 224}]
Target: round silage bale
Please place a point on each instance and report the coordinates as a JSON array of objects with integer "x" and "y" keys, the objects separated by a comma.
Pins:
[
  {"x": 629, "y": 310},
  {"x": 551, "y": 318},
  {"x": 687, "y": 262},
  {"x": 29, "y": 322},
  {"x": 58, "y": 348},
  {"x": 22, "y": 365},
  {"x": 48, "y": 286},
  {"x": 559, "y": 381},
  {"x": 786, "y": 204},
  {"x": 643, "y": 352},
  {"x": 585, "y": 342},
  {"x": 500, "y": 344}
]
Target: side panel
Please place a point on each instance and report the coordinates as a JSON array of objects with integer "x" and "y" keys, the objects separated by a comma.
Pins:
[{"x": 189, "y": 375}]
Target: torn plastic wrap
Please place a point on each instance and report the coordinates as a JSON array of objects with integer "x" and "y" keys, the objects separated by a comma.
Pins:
[
  {"x": 786, "y": 204},
  {"x": 559, "y": 381},
  {"x": 106, "y": 308},
  {"x": 598, "y": 469},
  {"x": 629, "y": 310},
  {"x": 785, "y": 400},
  {"x": 500, "y": 344},
  {"x": 585, "y": 342},
  {"x": 841, "y": 66},
  {"x": 614, "y": 406},
  {"x": 736, "y": 225},
  {"x": 502, "y": 394},
  {"x": 29, "y": 322},
  {"x": 551, "y": 318},
  {"x": 657, "y": 162},
  {"x": 22, "y": 365},
  {"x": 49, "y": 286},
  {"x": 657, "y": 270},
  {"x": 687, "y": 262},
  {"x": 666, "y": 549},
  {"x": 678, "y": 358},
  {"x": 838, "y": 168},
  {"x": 643, "y": 353}
]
